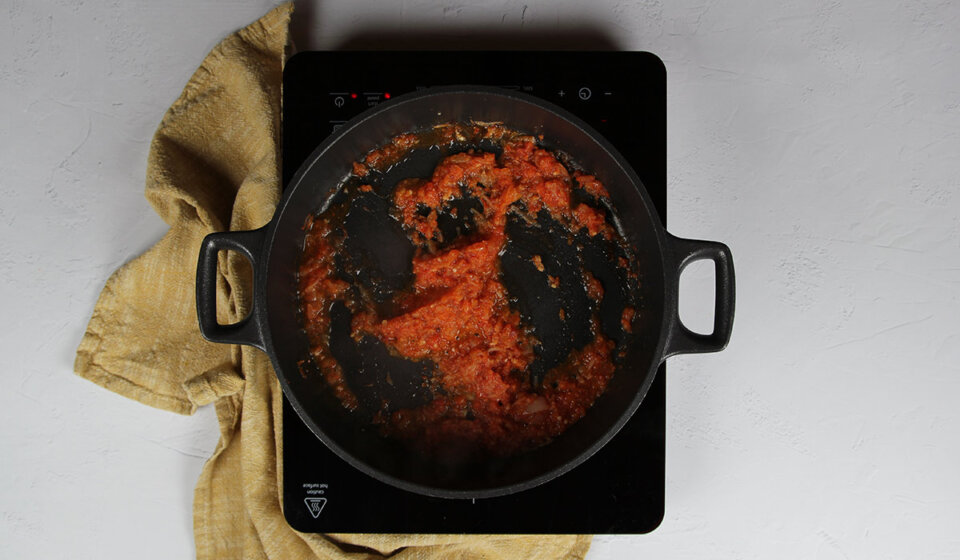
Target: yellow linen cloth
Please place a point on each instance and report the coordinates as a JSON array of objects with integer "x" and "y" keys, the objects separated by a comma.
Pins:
[{"x": 213, "y": 166}]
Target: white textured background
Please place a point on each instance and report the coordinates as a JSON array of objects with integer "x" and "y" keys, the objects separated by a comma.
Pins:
[{"x": 819, "y": 139}]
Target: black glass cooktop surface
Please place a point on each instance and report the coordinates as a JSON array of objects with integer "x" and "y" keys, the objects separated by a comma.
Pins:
[{"x": 620, "y": 489}]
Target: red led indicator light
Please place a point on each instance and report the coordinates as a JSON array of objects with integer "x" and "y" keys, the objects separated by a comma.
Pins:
[
  {"x": 353, "y": 96},
  {"x": 386, "y": 96}
]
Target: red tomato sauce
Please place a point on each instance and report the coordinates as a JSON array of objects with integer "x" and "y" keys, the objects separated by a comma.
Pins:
[{"x": 457, "y": 312}]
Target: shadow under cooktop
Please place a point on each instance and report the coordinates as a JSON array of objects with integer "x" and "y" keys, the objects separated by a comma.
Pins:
[{"x": 380, "y": 36}]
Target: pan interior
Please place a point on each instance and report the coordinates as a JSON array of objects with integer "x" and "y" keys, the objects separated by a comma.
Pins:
[{"x": 313, "y": 187}]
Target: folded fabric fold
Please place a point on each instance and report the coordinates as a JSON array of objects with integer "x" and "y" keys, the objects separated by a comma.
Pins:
[{"x": 209, "y": 386}]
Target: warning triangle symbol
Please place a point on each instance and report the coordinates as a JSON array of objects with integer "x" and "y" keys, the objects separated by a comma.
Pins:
[{"x": 315, "y": 505}]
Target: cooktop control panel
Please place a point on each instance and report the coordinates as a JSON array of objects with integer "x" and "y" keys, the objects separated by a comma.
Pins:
[
  {"x": 613, "y": 91},
  {"x": 618, "y": 490}
]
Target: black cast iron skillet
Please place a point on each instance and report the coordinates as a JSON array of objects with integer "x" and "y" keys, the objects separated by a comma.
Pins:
[{"x": 274, "y": 324}]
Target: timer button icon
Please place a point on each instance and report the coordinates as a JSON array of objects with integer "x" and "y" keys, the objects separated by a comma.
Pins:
[{"x": 584, "y": 93}]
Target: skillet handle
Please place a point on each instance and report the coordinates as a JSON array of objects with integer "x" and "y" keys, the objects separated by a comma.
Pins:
[
  {"x": 680, "y": 339},
  {"x": 249, "y": 329}
]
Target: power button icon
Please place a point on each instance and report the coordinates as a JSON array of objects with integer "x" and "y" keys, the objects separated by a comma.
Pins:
[
  {"x": 338, "y": 101},
  {"x": 584, "y": 93}
]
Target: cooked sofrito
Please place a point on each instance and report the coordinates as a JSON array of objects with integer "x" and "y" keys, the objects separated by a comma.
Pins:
[{"x": 480, "y": 308}]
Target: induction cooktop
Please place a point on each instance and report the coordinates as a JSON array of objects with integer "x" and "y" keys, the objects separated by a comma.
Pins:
[{"x": 620, "y": 489}]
